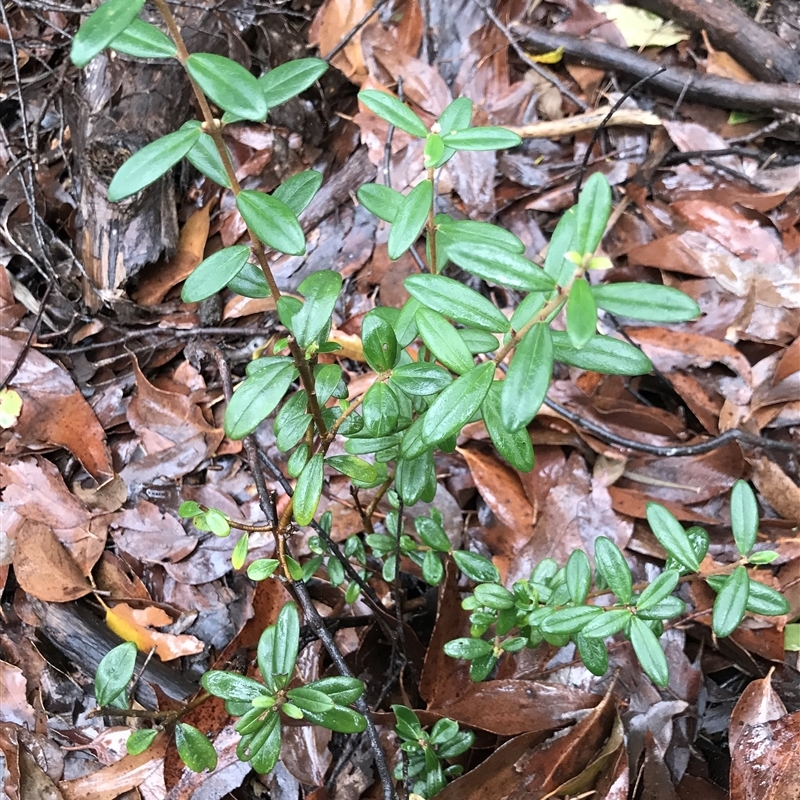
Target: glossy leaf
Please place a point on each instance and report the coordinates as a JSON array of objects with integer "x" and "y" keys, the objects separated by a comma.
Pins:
[
  {"x": 143, "y": 40},
  {"x": 608, "y": 624},
  {"x": 514, "y": 447},
  {"x": 421, "y": 378},
  {"x": 339, "y": 718},
  {"x": 475, "y": 566},
  {"x": 265, "y": 746},
  {"x": 456, "y": 301},
  {"x": 581, "y": 314},
  {"x": 232, "y": 686},
  {"x": 478, "y": 341},
  {"x": 601, "y": 354},
  {"x": 433, "y": 154},
  {"x": 649, "y": 652},
  {"x": 410, "y": 219},
  {"x": 432, "y": 534},
  {"x": 456, "y": 405},
  {"x": 646, "y": 301},
  {"x": 250, "y": 282},
  {"x": 229, "y": 85},
  {"x": 308, "y": 490},
  {"x": 389, "y": 108},
  {"x": 147, "y": 165},
  {"x": 321, "y": 290},
  {"x": 256, "y": 398},
  {"x": 569, "y": 620},
  {"x": 205, "y": 158},
  {"x": 379, "y": 342},
  {"x": 290, "y": 79},
  {"x": 353, "y": 467},
  {"x": 731, "y": 603},
  {"x": 579, "y": 576},
  {"x": 432, "y": 569},
  {"x": 593, "y": 653},
  {"x": 467, "y": 648},
  {"x": 667, "y": 608},
  {"x": 214, "y": 273},
  {"x": 262, "y": 568},
  {"x": 380, "y": 410},
  {"x": 412, "y": 476},
  {"x": 485, "y": 138},
  {"x": 114, "y": 673},
  {"x": 194, "y": 748},
  {"x": 761, "y": 599},
  {"x": 661, "y": 588},
  {"x": 672, "y": 536},
  {"x": 307, "y": 698},
  {"x": 501, "y": 266},
  {"x": 528, "y": 378},
  {"x": 299, "y": 190},
  {"x": 591, "y": 218},
  {"x": 480, "y": 233},
  {"x": 342, "y": 689},
  {"x": 101, "y": 27},
  {"x": 559, "y": 268},
  {"x": 272, "y": 221},
  {"x": 382, "y": 201},
  {"x": 140, "y": 740},
  {"x": 494, "y": 596},
  {"x": 443, "y": 340},
  {"x": 326, "y": 380},
  {"x": 611, "y": 564},
  {"x": 744, "y": 516}
]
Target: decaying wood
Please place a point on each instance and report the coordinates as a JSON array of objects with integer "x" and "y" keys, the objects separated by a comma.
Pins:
[
  {"x": 84, "y": 640},
  {"x": 569, "y": 126},
  {"x": 120, "y": 105},
  {"x": 674, "y": 81},
  {"x": 757, "y": 49}
]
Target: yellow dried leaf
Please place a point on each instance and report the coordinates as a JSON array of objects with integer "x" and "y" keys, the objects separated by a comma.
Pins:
[
  {"x": 642, "y": 28},
  {"x": 552, "y": 57},
  {"x": 135, "y": 625},
  {"x": 10, "y": 408}
]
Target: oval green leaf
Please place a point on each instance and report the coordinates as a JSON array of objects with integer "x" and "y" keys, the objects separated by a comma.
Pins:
[
  {"x": 475, "y": 567},
  {"x": 389, "y": 108},
  {"x": 353, "y": 467},
  {"x": 611, "y": 564},
  {"x": 214, "y": 273},
  {"x": 649, "y": 652},
  {"x": 672, "y": 536},
  {"x": 299, "y": 190},
  {"x": 205, "y": 158},
  {"x": 308, "y": 490},
  {"x": 256, "y": 398},
  {"x": 114, "y": 673},
  {"x": 593, "y": 211},
  {"x": 379, "y": 342},
  {"x": 485, "y": 138},
  {"x": 528, "y": 378},
  {"x": 501, "y": 266},
  {"x": 467, "y": 648},
  {"x": 229, "y": 85},
  {"x": 272, "y": 221},
  {"x": 288, "y": 80},
  {"x": 581, "y": 313},
  {"x": 731, "y": 603},
  {"x": 382, "y": 201},
  {"x": 646, "y": 301},
  {"x": 443, "y": 340},
  {"x": 744, "y": 516},
  {"x": 101, "y": 27},
  {"x": 421, "y": 379},
  {"x": 516, "y": 447},
  {"x": 143, "y": 40},
  {"x": 194, "y": 748},
  {"x": 410, "y": 219},
  {"x": 601, "y": 354}
]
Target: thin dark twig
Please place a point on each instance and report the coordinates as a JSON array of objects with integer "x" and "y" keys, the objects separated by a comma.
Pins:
[
  {"x": 27, "y": 346},
  {"x": 537, "y": 68},
  {"x": 613, "y": 110},
  {"x": 733, "y": 435},
  {"x": 354, "y": 30}
]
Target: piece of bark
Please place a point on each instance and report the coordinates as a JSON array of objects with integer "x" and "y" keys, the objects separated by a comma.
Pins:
[
  {"x": 674, "y": 81},
  {"x": 758, "y": 50},
  {"x": 120, "y": 105},
  {"x": 84, "y": 640}
]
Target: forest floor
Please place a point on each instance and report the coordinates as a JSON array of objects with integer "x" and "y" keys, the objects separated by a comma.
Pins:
[{"x": 111, "y": 415}]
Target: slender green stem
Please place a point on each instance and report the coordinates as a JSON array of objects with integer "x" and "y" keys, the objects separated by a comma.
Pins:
[{"x": 432, "y": 225}]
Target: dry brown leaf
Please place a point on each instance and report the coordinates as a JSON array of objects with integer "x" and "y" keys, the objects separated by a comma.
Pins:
[
  {"x": 759, "y": 703},
  {"x": 13, "y": 688},
  {"x": 54, "y": 411},
  {"x": 333, "y": 22},
  {"x": 778, "y": 489},
  {"x": 136, "y": 625},
  {"x": 44, "y": 567}
]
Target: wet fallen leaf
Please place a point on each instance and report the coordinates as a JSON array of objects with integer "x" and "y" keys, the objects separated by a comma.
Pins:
[{"x": 136, "y": 625}]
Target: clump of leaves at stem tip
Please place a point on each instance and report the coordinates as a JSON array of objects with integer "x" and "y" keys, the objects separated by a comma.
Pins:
[{"x": 557, "y": 605}]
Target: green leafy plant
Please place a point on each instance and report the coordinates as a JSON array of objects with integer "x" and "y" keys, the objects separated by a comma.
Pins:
[{"x": 418, "y": 404}]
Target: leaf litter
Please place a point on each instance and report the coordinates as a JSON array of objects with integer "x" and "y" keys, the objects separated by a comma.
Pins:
[{"x": 118, "y": 423}]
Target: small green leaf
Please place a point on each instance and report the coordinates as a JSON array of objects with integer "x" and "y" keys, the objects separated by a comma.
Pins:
[
  {"x": 528, "y": 378},
  {"x": 326, "y": 380},
  {"x": 559, "y": 268},
  {"x": 593, "y": 653},
  {"x": 731, "y": 603},
  {"x": 646, "y": 301},
  {"x": 434, "y": 151},
  {"x": 229, "y": 85},
  {"x": 480, "y": 667},
  {"x": 476, "y": 567},
  {"x": 667, "y": 608},
  {"x": 456, "y": 405},
  {"x": 467, "y": 648},
  {"x": 357, "y": 446},
  {"x": 569, "y": 620},
  {"x": 763, "y": 557},
  {"x": 486, "y": 138},
  {"x": 444, "y": 341},
  {"x": 581, "y": 314},
  {"x": 389, "y": 108},
  {"x": 410, "y": 219},
  {"x": 147, "y": 165},
  {"x": 579, "y": 576},
  {"x": 672, "y": 536},
  {"x": 480, "y": 233},
  {"x": 501, "y": 266},
  {"x": 143, "y": 40},
  {"x": 661, "y": 588},
  {"x": 744, "y": 516},
  {"x": 380, "y": 410},
  {"x": 214, "y": 273},
  {"x": 114, "y": 673},
  {"x": 594, "y": 209},
  {"x": 445, "y": 730},
  {"x": 458, "y": 302},
  {"x": 239, "y": 554},
  {"x": 299, "y": 190},
  {"x": 250, "y": 282},
  {"x": 455, "y": 117},
  {"x": 205, "y": 158},
  {"x": 189, "y": 509},
  {"x": 321, "y": 290},
  {"x": 379, "y": 342},
  {"x": 308, "y": 699},
  {"x": 353, "y": 467},
  {"x": 611, "y": 564},
  {"x": 382, "y": 201},
  {"x": 272, "y": 221},
  {"x": 649, "y": 652},
  {"x": 516, "y": 447},
  {"x": 601, "y": 354},
  {"x": 492, "y": 595},
  {"x": 342, "y": 689},
  {"x": 262, "y": 568},
  {"x": 232, "y": 686},
  {"x": 339, "y": 718},
  {"x": 194, "y": 748},
  {"x": 764, "y": 600},
  {"x": 256, "y": 398},
  {"x": 412, "y": 476},
  {"x": 608, "y": 624},
  {"x": 308, "y": 490},
  {"x": 421, "y": 378},
  {"x": 140, "y": 740},
  {"x": 263, "y": 750},
  {"x": 291, "y": 422},
  {"x": 432, "y": 569},
  {"x": 432, "y": 534},
  {"x": 101, "y": 27},
  {"x": 288, "y": 80}
]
